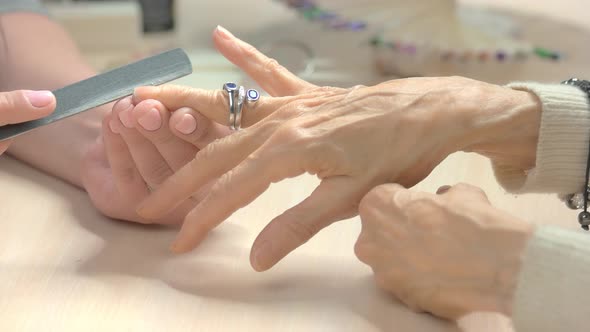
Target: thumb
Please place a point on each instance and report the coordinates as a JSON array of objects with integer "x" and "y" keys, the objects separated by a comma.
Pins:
[
  {"x": 25, "y": 105},
  {"x": 386, "y": 197}
]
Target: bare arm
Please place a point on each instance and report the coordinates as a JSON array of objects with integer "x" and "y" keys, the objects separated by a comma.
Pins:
[{"x": 40, "y": 55}]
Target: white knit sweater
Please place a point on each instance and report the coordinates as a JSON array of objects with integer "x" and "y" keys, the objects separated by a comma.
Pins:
[{"x": 553, "y": 292}]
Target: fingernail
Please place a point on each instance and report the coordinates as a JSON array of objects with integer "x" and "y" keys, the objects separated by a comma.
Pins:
[
  {"x": 443, "y": 190},
  {"x": 223, "y": 32},
  {"x": 114, "y": 127},
  {"x": 187, "y": 125},
  {"x": 151, "y": 120},
  {"x": 123, "y": 104},
  {"x": 40, "y": 99},
  {"x": 125, "y": 118},
  {"x": 262, "y": 256}
]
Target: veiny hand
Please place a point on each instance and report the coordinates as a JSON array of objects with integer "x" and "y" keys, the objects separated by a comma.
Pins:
[
  {"x": 352, "y": 139},
  {"x": 141, "y": 146},
  {"x": 448, "y": 254},
  {"x": 24, "y": 105}
]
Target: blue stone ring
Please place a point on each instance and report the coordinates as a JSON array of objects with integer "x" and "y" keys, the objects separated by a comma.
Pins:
[
  {"x": 252, "y": 95},
  {"x": 237, "y": 98},
  {"x": 231, "y": 89}
]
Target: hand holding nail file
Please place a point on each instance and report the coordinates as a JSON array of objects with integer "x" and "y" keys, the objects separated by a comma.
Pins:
[{"x": 108, "y": 87}]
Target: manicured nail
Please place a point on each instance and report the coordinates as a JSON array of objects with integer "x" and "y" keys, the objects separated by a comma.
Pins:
[
  {"x": 114, "y": 127},
  {"x": 40, "y": 99},
  {"x": 125, "y": 118},
  {"x": 122, "y": 104},
  {"x": 151, "y": 120},
  {"x": 187, "y": 125},
  {"x": 443, "y": 190},
  {"x": 223, "y": 32},
  {"x": 262, "y": 256}
]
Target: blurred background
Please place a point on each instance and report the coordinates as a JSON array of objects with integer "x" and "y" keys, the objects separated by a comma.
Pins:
[{"x": 344, "y": 42}]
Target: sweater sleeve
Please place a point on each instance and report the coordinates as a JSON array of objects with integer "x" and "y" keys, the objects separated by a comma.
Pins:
[
  {"x": 553, "y": 292},
  {"x": 562, "y": 149}
]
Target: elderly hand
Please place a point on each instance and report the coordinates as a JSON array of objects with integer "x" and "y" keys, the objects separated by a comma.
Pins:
[
  {"x": 448, "y": 254},
  {"x": 352, "y": 139},
  {"x": 141, "y": 146},
  {"x": 24, "y": 105}
]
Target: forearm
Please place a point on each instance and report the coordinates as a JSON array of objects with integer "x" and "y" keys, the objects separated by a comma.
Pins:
[{"x": 40, "y": 55}]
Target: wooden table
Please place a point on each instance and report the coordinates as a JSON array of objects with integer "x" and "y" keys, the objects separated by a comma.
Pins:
[{"x": 64, "y": 267}]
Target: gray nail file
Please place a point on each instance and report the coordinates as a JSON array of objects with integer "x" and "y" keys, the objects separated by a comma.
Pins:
[{"x": 110, "y": 86}]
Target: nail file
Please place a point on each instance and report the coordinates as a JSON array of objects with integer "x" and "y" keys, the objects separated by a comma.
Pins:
[{"x": 110, "y": 86}]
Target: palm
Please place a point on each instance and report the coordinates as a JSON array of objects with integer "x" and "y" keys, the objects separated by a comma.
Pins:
[{"x": 100, "y": 184}]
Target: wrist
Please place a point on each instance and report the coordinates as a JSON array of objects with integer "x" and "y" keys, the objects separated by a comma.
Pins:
[
  {"x": 514, "y": 236},
  {"x": 503, "y": 124},
  {"x": 59, "y": 149}
]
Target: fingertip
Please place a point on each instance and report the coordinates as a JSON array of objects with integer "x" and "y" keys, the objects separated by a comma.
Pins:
[
  {"x": 122, "y": 105},
  {"x": 261, "y": 258},
  {"x": 41, "y": 100},
  {"x": 185, "y": 124}
]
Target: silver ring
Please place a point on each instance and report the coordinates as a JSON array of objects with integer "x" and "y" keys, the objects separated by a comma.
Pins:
[
  {"x": 252, "y": 95},
  {"x": 239, "y": 107},
  {"x": 231, "y": 88}
]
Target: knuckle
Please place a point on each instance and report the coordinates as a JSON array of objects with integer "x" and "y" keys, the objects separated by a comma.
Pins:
[
  {"x": 181, "y": 93},
  {"x": 363, "y": 250},
  {"x": 7, "y": 107},
  {"x": 158, "y": 173},
  {"x": 126, "y": 175},
  {"x": 301, "y": 229},
  {"x": 291, "y": 133},
  {"x": 249, "y": 51},
  {"x": 375, "y": 198},
  {"x": 162, "y": 138},
  {"x": 272, "y": 66}
]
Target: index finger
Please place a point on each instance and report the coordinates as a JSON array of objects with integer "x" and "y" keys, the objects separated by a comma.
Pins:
[{"x": 213, "y": 104}]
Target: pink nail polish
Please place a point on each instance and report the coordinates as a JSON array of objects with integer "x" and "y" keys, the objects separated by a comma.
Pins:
[
  {"x": 151, "y": 120},
  {"x": 123, "y": 104},
  {"x": 125, "y": 118},
  {"x": 113, "y": 127},
  {"x": 187, "y": 125},
  {"x": 40, "y": 99}
]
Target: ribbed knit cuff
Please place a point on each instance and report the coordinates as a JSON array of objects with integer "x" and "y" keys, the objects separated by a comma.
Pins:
[
  {"x": 563, "y": 143},
  {"x": 553, "y": 293}
]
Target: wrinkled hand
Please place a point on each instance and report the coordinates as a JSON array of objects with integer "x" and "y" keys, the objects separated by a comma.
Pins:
[
  {"x": 141, "y": 146},
  {"x": 448, "y": 254},
  {"x": 352, "y": 139}
]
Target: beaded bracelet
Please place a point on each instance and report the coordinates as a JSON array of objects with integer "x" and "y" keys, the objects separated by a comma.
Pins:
[{"x": 580, "y": 200}]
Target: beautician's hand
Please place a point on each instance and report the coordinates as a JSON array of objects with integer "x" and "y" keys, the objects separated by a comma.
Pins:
[
  {"x": 24, "y": 105},
  {"x": 448, "y": 254},
  {"x": 353, "y": 139},
  {"x": 141, "y": 146}
]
